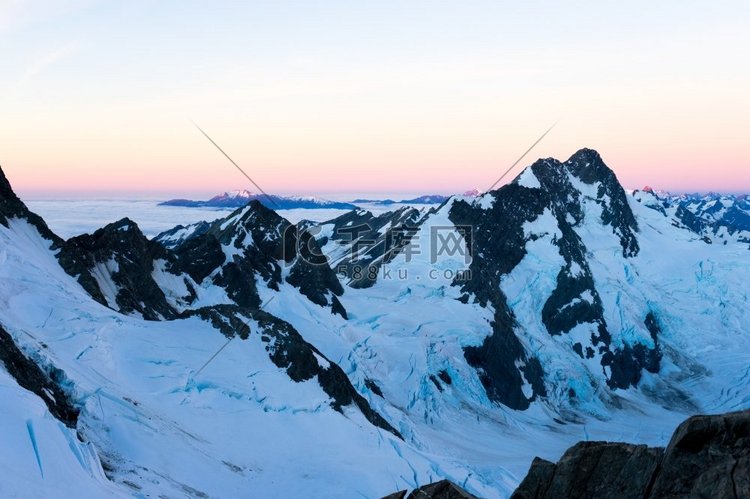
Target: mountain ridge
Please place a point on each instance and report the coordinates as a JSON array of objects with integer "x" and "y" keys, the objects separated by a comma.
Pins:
[{"x": 555, "y": 313}]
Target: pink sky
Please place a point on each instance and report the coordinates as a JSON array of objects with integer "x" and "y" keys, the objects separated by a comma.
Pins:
[
  {"x": 331, "y": 97},
  {"x": 189, "y": 165}
]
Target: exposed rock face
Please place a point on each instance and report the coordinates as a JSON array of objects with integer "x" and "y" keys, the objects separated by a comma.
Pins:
[
  {"x": 587, "y": 165},
  {"x": 708, "y": 456},
  {"x": 124, "y": 270},
  {"x": 499, "y": 238},
  {"x": 31, "y": 377},
  {"x": 12, "y": 207},
  {"x": 116, "y": 266},
  {"x": 593, "y": 469},
  {"x": 438, "y": 490},
  {"x": 360, "y": 243},
  {"x": 254, "y": 241},
  {"x": 441, "y": 490},
  {"x": 288, "y": 350},
  {"x": 567, "y": 191},
  {"x": 177, "y": 235}
]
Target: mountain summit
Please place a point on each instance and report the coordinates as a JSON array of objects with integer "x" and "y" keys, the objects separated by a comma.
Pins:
[{"x": 454, "y": 341}]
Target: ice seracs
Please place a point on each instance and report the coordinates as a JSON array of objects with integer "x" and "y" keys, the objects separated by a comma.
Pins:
[{"x": 555, "y": 309}]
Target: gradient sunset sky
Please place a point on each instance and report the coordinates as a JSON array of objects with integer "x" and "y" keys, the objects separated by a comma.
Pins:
[{"x": 317, "y": 97}]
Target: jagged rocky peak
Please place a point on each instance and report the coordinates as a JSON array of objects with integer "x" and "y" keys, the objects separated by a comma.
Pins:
[
  {"x": 254, "y": 220},
  {"x": 283, "y": 244},
  {"x": 359, "y": 243},
  {"x": 117, "y": 264},
  {"x": 6, "y": 191},
  {"x": 124, "y": 225},
  {"x": 255, "y": 241},
  {"x": 553, "y": 200},
  {"x": 588, "y": 165},
  {"x": 12, "y": 207},
  {"x": 177, "y": 235},
  {"x": 582, "y": 178},
  {"x": 10, "y": 203}
]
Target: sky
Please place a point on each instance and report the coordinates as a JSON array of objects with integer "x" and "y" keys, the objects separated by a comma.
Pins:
[{"x": 335, "y": 96}]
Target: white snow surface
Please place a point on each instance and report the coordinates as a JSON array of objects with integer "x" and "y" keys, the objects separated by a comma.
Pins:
[
  {"x": 242, "y": 428},
  {"x": 40, "y": 456}
]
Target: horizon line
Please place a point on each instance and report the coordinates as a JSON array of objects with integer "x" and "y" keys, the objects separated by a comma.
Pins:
[{"x": 354, "y": 193}]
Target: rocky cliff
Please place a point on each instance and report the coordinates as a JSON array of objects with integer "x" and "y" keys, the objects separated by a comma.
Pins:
[{"x": 708, "y": 456}]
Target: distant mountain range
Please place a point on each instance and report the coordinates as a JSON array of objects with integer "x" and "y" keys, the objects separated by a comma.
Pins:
[
  {"x": 240, "y": 198},
  {"x": 382, "y": 351},
  {"x": 426, "y": 199},
  {"x": 716, "y": 217}
]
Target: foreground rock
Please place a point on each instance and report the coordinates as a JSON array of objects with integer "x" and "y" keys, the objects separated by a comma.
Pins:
[
  {"x": 708, "y": 456},
  {"x": 439, "y": 490}
]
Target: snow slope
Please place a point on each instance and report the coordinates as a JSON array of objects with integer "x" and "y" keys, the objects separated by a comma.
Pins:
[
  {"x": 40, "y": 456},
  {"x": 239, "y": 427},
  {"x": 403, "y": 333},
  {"x": 158, "y": 419}
]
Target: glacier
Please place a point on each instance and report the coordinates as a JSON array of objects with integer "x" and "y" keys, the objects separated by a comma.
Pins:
[{"x": 329, "y": 386}]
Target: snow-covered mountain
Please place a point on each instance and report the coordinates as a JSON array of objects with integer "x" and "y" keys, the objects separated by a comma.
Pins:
[
  {"x": 419, "y": 200},
  {"x": 370, "y": 353},
  {"x": 239, "y": 198},
  {"x": 720, "y": 218},
  {"x": 425, "y": 199}
]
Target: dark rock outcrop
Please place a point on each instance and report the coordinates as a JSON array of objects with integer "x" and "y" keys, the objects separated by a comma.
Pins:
[
  {"x": 255, "y": 241},
  {"x": 498, "y": 245},
  {"x": 288, "y": 350},
  {"x": 441, "y": 490},
  {"x": 12, "y": 207},
  {"x": 593, "y": 469},
  {"x": 588, "y": 166},
  {"x": 708, "y": 456},
  {"x": 500, "y": 235},
  {"x": 31, "y": 377},
  {"x": 121, "y": 254},
  {"x": 367, "y": 242},
  {"x": 438, "y": 490}
]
